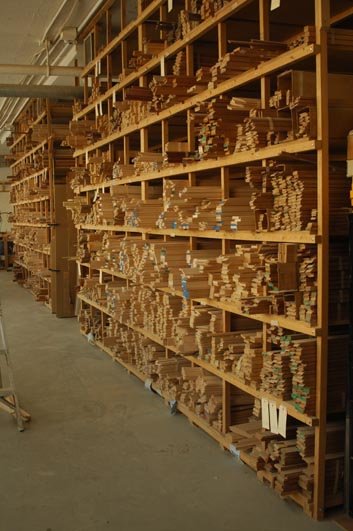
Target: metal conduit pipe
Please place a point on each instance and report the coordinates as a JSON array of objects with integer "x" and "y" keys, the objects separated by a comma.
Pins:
[
  {"x": 40, "y": 70},
  {"x": 40, "y": 91}
]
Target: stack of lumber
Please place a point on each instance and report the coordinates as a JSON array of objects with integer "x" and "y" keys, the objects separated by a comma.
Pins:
[
  {"x": 135, "y": 306},
  {"x": 169, "y": 90},
  {"x": 290, "y": 371},
  {"x": 148, "y": 162},
  {"x": 276, "y": 376},
  {"x": 248, "y": 368},
  {"x": 82, "y": 133},
  {"x": 120, "y": 171},
  {"x": 245, "y": 56},
  {"x": 185, "y": 207},
  {"x": 129, "y": 113},
  {"x": 261, "y": 130},
  {"x": 215, "y": 124},
  {"x": 90, "y": 320},
  {"x": 142, "y": 261},
  {"x": 100, "y": 169},
  {"x": 303, "y": 369},
  {"x": 79, "y": 207},
  {"x": 284, "y": 195}
]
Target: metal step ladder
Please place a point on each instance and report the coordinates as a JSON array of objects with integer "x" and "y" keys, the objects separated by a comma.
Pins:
[{"x": 8, "y": 396}]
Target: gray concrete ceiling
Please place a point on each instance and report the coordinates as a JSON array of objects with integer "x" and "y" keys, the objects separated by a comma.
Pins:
[{"x": 22, "y": 26}]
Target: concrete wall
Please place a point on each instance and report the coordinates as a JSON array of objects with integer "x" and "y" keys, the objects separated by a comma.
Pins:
[{"x": 4, "y": 201}]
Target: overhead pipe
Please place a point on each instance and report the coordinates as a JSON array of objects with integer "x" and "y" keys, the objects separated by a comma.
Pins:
[
  {"x": 40, "y": 70},
  {"x": 40, "y": 91}
]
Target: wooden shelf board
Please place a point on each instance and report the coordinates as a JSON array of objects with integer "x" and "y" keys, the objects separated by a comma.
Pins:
[
  {"x": 25, "y": 224},
  {"x": 275, "y": 236},
  {"x": 28, "y": 177},
  {"x": 31, "y": 152},
  {"x": 29, "y": 201},
  {"x": 273, "y": 65},
  {"x": 245, "y": 157}
]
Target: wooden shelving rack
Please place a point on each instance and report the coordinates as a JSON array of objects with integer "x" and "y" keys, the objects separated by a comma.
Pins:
[
  {"x": 163, "y": 136},
  {"x": 43, "y": 232}
]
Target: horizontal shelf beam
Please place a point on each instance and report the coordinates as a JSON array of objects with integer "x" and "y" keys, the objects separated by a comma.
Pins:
[
  {"x": 245, "y": 157},
  {"x": 275, "y": 236}
]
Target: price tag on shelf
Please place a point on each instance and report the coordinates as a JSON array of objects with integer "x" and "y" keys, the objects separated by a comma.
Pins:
[
  {"x": 282, "y": 421},
  {"x": 265, "y": 414},
  {"x": 170, "y": 5},
  {"x": 274, "y": 322},
  {"x": 275, "y": 4},
  {"x": 273, "y": 417}
]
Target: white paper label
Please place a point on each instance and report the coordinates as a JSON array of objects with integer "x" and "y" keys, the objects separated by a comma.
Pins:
[
  {"x": 274, "y": 322},
  {"x": 273, "y": 417},
  {"x": 170, "y": 5},
  {"x": 265, "y": 414},
  {"x": 275, "y": 4},
  {"x": 282, "y": 421}
]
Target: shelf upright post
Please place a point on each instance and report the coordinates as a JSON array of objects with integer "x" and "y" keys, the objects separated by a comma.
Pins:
[{"x": 322, "y": 19}]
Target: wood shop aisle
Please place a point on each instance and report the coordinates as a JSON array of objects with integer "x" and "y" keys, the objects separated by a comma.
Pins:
[{"x": 103, "y": 453}]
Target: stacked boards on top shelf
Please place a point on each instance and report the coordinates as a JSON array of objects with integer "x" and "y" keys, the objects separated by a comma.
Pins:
[
  {"x": 210, "y": 203},
  {"x": 43, "y": 233}
]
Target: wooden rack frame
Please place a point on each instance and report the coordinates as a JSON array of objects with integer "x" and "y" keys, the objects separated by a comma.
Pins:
[
  {"x": 110, "y": 45},
  {"x": 42, "y": 229}
]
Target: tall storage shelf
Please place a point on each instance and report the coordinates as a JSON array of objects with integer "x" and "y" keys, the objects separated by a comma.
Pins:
[
  {"x": 43, "y": 232},
  {"x": 210, "y": 196}
]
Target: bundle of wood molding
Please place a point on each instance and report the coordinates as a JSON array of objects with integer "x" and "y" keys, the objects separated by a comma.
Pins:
[
  {"x": 142, "y": 261},
  {"x": 82, "y": 133},
  {"x": 215, "y": 124},
  {"x": 80, "y": 208},
  {"x": 284, "y": 196},
  {"x": 169, "y": 90},
  {"x": 32, "y": 238},
  {"x": 129, "y": 113},
  {"x": 148, "y": 162},
  {"x": 135, "y": 306},
  {"x": 203, "y": 208},
  {"x": 90, "y": 321},
  {"x": 245, "y": 56}
]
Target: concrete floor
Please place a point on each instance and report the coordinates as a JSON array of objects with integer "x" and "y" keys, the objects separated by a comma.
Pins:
[{"x": 103, "y": 453}]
